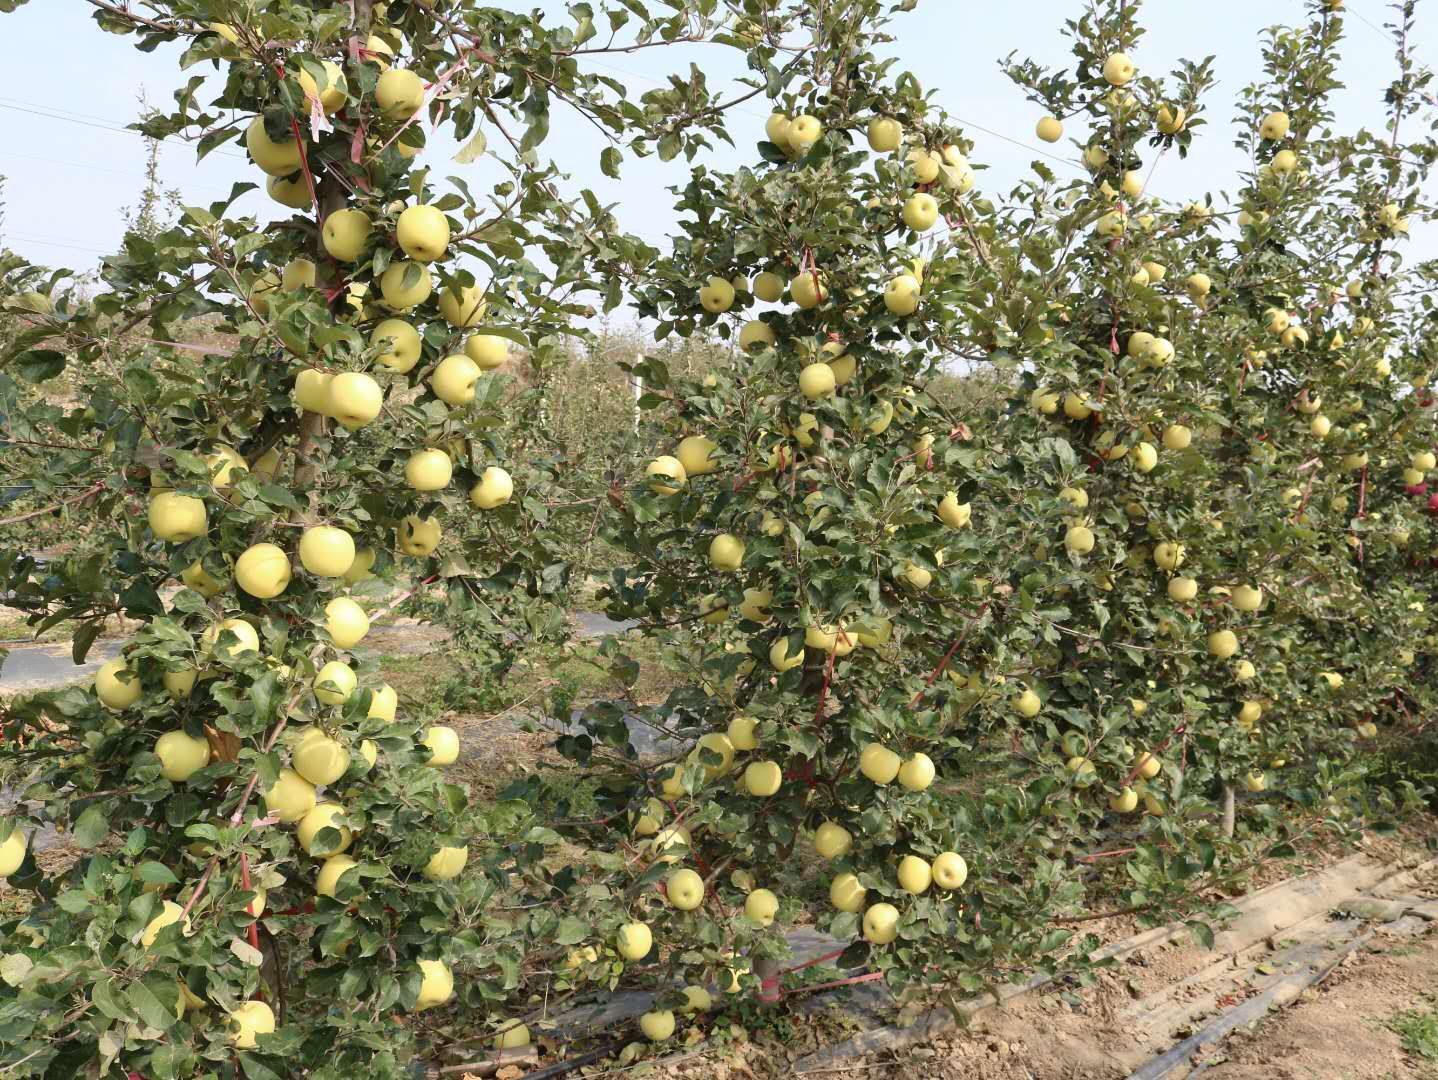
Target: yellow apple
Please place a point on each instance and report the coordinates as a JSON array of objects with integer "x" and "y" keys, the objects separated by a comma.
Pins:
[
  {"x": 697, "y": 455},
  {"x": 346, "y": 233},
  {"x": 1177, "y": 437},
  {"x": 761, "y": 906},
  {"x": 354, "y": 399},
  {"x": 807, "y": 289},
  {"x": 953, "y": 513},
  {"x": 881, "y": 924},
  {"x": 901, "y": 295},
  {"x": 116, "y": 685},
  {"x": 634, "y": 941},
  {"x": 319, "y": 758},
  {"x": 1050, "y": 129},
  {"x": 312, "y": 391},
  {"x": 275, "y": 158},
  {"x": 884, "y": 134},
  {"x": 816, "y": 381},
  {"x": 247, "y": 640},
  {"x": 443, "y": 744},
  {"x": 383, "y": 704},
  {"x": 263, "y": 571},
  {"x": 333, "y": 868},
  {"x": 950, "y": 871},
  {"x": 360, "y": 569},
  {"x": 333, "y": 96},
  {"x": 726, "y": 552},
  {"x": 1273, "y": 126},
  {"x": 1079, "y": 539},
  {"x": 422, "y": 231},
  {"x": 446, "y": 863},
  {"x": 248, "y": 1020},
  {"x": 1222, "y": 644},
  {"x": 12, "y": 852},
  {"x": 399, "y": 93},
  {"x": 917, "y": 773},
  {"x": 1149, "y": 766},
  {"x": 397, "y": 344},
  {"x": 489, "y": 351},
  {"x": 697, "y": 1000},
  {"x": 323, "y": 817},
  {"x": 657, "y": 1024},
  {"x": 334, "y": 683},
  {"x": 832, "y": 840},
  {"x": 177, "y": 518},
  {"x": 921, "y": 211},
  {"x": 804, "y": 131},
  {"x": 428, "y": 470},
  {"x": 1171, "y": 120},
  {"x": 512, "y": 1037},
  {"x": 181, "y": 755},
  {"x": 684, "y": 890},
  {"x": 453, "y": 380},
  {"x": 419, "y": 536},
  {"x": 326, "y": 551},
  {"x": 667, "y": 475},
  {"x": 763, "y": 778},
  {"x": 716, "y": 296},
  {"x": 915, "y": 874},
  {"x": 494, "y": 489},
  {"x": 169, "y": 915},
  {"x": 879, "y": 763},
  {"x": 1125, "y": 802},
  {"x": 179, "y": 684},
  {"x": 405, "y": 284},
  {"x": 1255, "y": 781},
  {"x": 1249, "y": 712},
  {"x": 755, "y": 334},
  {"x": 1168, "y": 556},
  {"x": 1028, "y": 703},
  {"x": 846, "y": 894},
  {"x": 436, "y": 984}
]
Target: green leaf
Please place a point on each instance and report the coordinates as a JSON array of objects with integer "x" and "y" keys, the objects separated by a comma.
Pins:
[
  {"x": 84, "y": 638},
  {"x": 93, "y": 826},
  {"x": 1202, "y": 932},
  {"x": 147, "y": 1003},
  {"x": 472, "y": 150},
  {"x": 609, "y": 161},
  {"x": 37, "y": 365},
  {"x": 156, "y": 873}
]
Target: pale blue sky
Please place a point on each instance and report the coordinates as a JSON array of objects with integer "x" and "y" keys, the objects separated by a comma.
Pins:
[{"x": 69, "y": 172}]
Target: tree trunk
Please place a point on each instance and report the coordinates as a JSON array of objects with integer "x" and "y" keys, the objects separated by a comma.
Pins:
[{"x": 1228, "y": 811}]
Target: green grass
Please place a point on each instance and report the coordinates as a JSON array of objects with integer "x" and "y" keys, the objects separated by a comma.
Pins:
[{"x": 1417, "y": 1029}]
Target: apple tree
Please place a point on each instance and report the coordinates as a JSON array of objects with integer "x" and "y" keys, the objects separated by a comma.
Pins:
[
  {"x": 276, "y": 421},
  {"x": 956, "y": 674}
]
